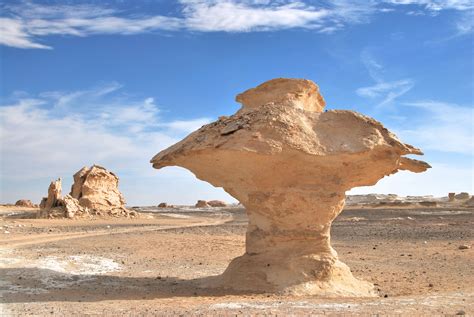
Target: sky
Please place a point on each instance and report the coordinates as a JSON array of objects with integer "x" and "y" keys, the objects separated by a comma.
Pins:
[{"x": 115, "y": 82}]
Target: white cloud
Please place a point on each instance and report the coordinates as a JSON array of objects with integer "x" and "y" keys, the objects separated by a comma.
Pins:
[
  {"x": 445, "y": 127},
  {"x": 54, "y": 134},
  {"x": 388, "y": 90},
  {"x": 440, "y": 179},
  {"x": 436, "y": 5},
  {"x": 24, "y": 25},
  {"x": 384, "y": 91}
]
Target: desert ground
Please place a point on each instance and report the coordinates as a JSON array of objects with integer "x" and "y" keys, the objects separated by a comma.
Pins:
[{"x": 156, "y": 264}]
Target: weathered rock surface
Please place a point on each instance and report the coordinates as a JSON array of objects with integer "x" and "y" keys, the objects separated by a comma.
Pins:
[
  {"x": 290, "y": 165},
  {"x": 94, "y": 192},
  {"x": 25, "y": 203},
  {"x": 163, "y": 205}
]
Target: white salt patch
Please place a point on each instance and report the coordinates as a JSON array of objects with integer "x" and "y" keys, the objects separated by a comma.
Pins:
[
  {"x": 242, "y": 305},
  {"x": 79, "y": 265},
  {"x": 174, "y": 215}
]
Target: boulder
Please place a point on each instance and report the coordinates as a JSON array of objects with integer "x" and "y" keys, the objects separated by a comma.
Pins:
[
  {"x": 290, "y": 164},
  {"x": 202, "y": 204},
  {"x": 163, "y": 205},
  {"x": 25, "y": 203},
  {"x": 216, "y": 203},
  {"x": 97, "y": 189}
]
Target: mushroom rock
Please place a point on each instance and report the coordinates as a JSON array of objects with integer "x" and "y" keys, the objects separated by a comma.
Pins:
[{"x": 290, "y": 164}]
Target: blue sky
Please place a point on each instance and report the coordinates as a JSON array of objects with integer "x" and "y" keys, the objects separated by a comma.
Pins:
[{"x": 115, "y": 82}]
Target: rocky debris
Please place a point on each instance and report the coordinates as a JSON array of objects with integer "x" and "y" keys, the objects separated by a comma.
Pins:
[
  {"x": 462, "y": 196},
  {"x": 216, "y": 203},
  {"x": 290, "y": 164},
  {"x": 201, "y": 204},
  {"x": 464, "y": 247},
  {"x": 94, "y": 192},
  {"x": 25, "y": 203}
]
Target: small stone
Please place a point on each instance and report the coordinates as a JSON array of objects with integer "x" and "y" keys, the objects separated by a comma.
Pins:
[
  {"x": 460, "y": 313},
  {"x": 464, "y": 247},
  {"x": 430, "y": 285}
]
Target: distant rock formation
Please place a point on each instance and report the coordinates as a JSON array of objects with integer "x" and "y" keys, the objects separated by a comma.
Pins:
[
  {"x": 462, "y": 196},
  {"x": 202, "y": 204},
  {"x": 25, "y": 203},
  {"x": 451, "y": 196},
  {"x": 163, "y": 205},
  {"x": 216, "y": 203},
  {"x": 290, "y": 164},
  {"x": 94, "y": 192}
]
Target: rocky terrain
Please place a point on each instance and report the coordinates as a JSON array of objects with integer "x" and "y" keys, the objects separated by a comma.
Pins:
[{"x": 419, "y": 259}]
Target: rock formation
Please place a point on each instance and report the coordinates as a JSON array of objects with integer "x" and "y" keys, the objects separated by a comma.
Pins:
[
  {"x": 25, "y": 203},
  {"x": 462, "y": 196},
  {"x": 94, "y": 192},
  {"x": 216, "y": 203},
  {"x": 290, "y": 164},
  {"x": 201, "y": 204}
]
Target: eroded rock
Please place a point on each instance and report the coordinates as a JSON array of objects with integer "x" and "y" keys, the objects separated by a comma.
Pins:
[
  {"x": 290, "y": 165},
  {"x": 25, "y": 203},
  {"x": 94, "y": 192}
]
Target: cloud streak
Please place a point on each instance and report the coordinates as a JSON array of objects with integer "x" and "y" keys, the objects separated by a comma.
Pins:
[
  {"x": 26, "y": 24},
  {"x": 386, "y": 92},
  {"x": 54, "y": 133},
  {"x": 445, "y": 127}
]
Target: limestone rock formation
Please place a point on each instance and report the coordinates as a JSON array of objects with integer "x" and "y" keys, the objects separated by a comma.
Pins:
[
  {"x": 290, "y": 164},
  {"x": 25, "y": 203},
  {"x": 94, "y": 192},
  {"x": 97, "y": 189}
]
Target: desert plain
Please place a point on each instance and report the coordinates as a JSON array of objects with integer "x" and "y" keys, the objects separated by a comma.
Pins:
[{"x": 418, "y": 257}]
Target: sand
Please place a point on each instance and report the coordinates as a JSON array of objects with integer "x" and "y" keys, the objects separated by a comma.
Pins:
[{"x": 155, "y": 264}]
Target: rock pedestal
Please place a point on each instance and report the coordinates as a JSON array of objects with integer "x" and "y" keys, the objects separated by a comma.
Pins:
[{"x": 290, "y": 165}]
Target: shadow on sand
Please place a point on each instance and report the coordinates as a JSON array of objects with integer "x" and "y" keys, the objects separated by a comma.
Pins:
[{"x": 23, "y": 285}]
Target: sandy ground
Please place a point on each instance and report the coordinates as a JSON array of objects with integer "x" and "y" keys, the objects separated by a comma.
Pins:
[{"x": 154, "y": 265}]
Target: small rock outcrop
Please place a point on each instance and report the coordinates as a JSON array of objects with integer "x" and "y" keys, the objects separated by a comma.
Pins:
[
  {"x": 163, "y": 205},
  {"x": 94, "y": 192},
  {"x": 201, "y": 204},
  {"x": 216, "y": 203},
  {"x": 462, "y": 196},
  {"x": 25, "y": 203},
  {"x": 451, "y": 196},
  {"x": 290, "y": 164}
]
